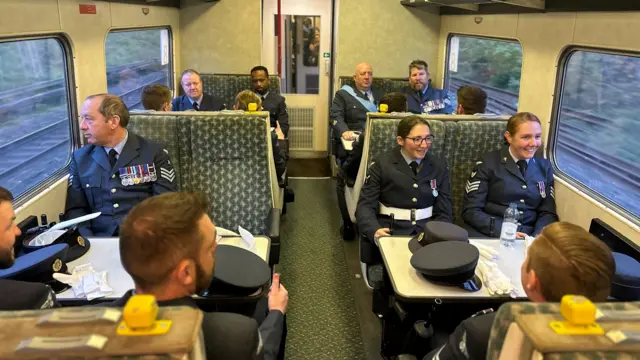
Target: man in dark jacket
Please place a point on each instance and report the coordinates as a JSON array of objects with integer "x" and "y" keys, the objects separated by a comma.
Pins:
[
  {"x": 272, "y": 101},
  {"x": 168, "y": 245},
  {"x": 422, "y": 98},
  {"x": 17, "y": 295},
  {"x": 194, "y": 98}
]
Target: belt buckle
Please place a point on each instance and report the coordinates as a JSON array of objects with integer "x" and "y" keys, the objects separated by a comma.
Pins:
[{"x": 413, "y": 215}]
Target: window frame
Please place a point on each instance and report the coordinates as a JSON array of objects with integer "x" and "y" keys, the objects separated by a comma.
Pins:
[
  {"x": 445, "y": 80},
  {"x": 563, "y": 62},
  {"x": 74, "y": 126},
  {"x": 171, "y": 74}
]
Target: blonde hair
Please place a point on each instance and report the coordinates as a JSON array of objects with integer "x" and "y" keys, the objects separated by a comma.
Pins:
[
  {"x": 246, "y": 97},
  {"x": 569, "y": 260}
]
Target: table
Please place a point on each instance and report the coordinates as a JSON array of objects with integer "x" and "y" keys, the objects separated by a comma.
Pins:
[
  {"x": 104, "y": 254},
  {"x": 419, "y": 299},
  {"x": 409, "y": 285}
]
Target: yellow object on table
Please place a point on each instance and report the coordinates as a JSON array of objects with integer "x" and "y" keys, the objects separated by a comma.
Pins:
[
  {"x": 139, "y": 317},
  {"x": 580, "y": 315}
]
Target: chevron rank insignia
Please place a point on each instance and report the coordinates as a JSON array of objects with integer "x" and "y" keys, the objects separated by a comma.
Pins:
[
  {"x": 472, "y": 186},
  {"x": 70, "y": 180},
  {"x": 552, "y": 192},
  {"x": 165, "y": 150},
  {"x": 168, "y": 174}
]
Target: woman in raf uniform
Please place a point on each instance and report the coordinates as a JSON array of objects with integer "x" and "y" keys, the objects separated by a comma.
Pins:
[
  {"x": 408, "y": 184},
  {"x": 511, "y": 175}
]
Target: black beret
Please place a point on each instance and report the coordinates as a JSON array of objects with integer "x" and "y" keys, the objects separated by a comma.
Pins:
[
  {"x": 626, "y": 282},
  {"x": 238, "y": 271}
]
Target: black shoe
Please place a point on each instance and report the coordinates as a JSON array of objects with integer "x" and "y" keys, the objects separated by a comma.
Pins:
[
  {"x": 347, "y": 232},
  {"x": 289, "y": 195}
]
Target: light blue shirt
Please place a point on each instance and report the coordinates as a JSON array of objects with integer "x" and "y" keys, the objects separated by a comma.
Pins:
[
  {"x": 408, "y": 159},
  {"x": 199, "y": 101},
  {"x": 118, "y": 148},
  {"x": 515, "y": 159}
]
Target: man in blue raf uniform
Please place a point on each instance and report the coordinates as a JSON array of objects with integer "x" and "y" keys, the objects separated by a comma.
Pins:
[
  {"x": 511, "y": 175},
  {"x": 350, "y": 106},
  {"x": 421, "y": 97},
  {"x": 194, "y": 98},
  {"x": 272, "y": 101},
  {"x": 117, "y": 170},
  {"x": 17, "y": 295},
  {"x": 564, "y": 259}
]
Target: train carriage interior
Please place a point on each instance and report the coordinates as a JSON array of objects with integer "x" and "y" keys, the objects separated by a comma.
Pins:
[{"x": 575, "y": 64}]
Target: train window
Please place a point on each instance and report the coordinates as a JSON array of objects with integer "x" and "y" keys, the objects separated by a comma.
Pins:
[
  {"x": 596, "y": 142},
  {"x": 494, "y": 65},
  {"x": 135, "y": 59},
  {"x": 35, "y": 112}
]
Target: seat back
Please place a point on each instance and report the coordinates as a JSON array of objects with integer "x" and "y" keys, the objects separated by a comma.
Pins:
[
  {"x": 230, "y": 155},
  {"x": 162, "y": 128},
  {"x": 386, "y": 85},
  {"x": 475, "y": 137},
  {"x": 519, "y": 331},
  {"x": 227, "y": 86}
]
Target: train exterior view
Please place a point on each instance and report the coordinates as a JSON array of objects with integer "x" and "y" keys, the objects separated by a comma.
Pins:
[{"x": 326, "y": 146}]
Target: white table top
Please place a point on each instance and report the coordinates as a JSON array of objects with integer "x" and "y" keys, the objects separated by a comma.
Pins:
[
  {"x": 104, "y": 254},
  {"x": 410, "y": 285}
]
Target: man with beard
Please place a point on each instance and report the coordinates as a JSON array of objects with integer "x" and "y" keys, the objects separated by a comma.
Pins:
[
  {"x": 272, "y": 101},
  {"x": 168, "y": 245},
  {"x": 422, "y": 98},
  {"x": 194, "y": 98},
  {"x": 17, "y": 295}
]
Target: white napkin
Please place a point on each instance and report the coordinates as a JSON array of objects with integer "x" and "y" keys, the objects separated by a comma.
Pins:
[
  {"x": 248, "y": 239},
  {"x": 86, "y": 282},
  {"x": 46, "y": 237}
]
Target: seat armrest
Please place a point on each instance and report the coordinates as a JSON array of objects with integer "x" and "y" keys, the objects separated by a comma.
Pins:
[{"x": 273, "y": 232}]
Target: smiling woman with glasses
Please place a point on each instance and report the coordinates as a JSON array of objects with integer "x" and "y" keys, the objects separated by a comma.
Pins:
[{"x": 406, "y": 187}]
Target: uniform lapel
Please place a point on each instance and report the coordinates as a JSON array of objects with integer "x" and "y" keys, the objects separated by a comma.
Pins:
[
  {"x": 206, "y": 103},
  {"x": 100, "y": 156},
  {"x": 186, "y": 104},
  {"x": 509, "y": 164},
  {"x": 532, "y": 170},
  {"x": 414, "y": 94},
  {"x": 401, "y": 164},
  {"x": 129, "y": 152},
  {"x": 425, "y": 166}
]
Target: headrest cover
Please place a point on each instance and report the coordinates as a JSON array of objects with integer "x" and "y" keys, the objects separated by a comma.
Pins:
[{"x": 438, "y": 231}]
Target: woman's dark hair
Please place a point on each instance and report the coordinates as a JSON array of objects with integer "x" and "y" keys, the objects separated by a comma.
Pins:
[
  {"x": 518, "y": 119},
  {"x": 406, "y": 124}
]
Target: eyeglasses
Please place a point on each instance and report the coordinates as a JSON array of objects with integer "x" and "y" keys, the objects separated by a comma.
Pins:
[{"x": 418, "y": 140}]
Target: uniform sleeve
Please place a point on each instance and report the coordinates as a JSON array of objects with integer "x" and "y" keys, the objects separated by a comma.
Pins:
[
  {"x": 546, "y": 212},
  {"x": 368, "y": 202},
  {"x": 76, "y": 204},
  {"x": 469, "y": 340},
  {"x": 270, "y": 331},
  {"x": 283, "y": 117},
  {"x": 336, "y": 113},
  {"x": 278, "y": 156},
  {"x": 475, "y": 199},
  {"x": 166, "y": 174},
  {"x": 175, "y": 104},
  {"x": 352, "y": 164},
  {"x": 443, "y": 204}
]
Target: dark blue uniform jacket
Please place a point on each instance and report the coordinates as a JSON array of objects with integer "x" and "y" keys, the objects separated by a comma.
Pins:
[
  {"x": 208, "y": 103},
  {"x": 496, "y": 182},
  {"x": 347, "y": 113},
  {"x": 391, "y": 181},
  {"x": 468, "y": 342},
  {"x": 94, "y": 186},
  {"x": 435, "y": 101},
  {"x": 275, "y": 104}
]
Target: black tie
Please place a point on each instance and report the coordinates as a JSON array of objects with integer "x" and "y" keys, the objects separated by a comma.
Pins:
[
  {"x": 414, "y": 167},
  {"x": 195, "y": 106},
  {"x": 522, "y": 165},
  {"x": 112, "y": 157}
]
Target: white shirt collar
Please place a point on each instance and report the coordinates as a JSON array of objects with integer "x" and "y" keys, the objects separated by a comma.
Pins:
[{"x": 199, "y": 101}]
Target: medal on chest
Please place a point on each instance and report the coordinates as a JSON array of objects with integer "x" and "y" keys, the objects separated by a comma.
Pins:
[
  {"x": 543, "y": 193},
  {"x": 434, "y": 188}
]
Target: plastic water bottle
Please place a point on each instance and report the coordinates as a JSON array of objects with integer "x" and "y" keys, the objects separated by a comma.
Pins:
[{"x": 509, "y": 226}]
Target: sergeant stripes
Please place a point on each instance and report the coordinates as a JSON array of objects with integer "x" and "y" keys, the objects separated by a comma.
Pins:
[
  {"x": 170, "y": 175},
  {"x": 472, "y": 186}
]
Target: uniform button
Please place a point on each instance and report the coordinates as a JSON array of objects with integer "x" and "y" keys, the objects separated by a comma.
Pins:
[
  {"x": 521, "y": 212},
  {"x": 413, "y": 223},
  {"x": 524, "y": 186},
  {"x": 113, "y": 176},
  {"x": 116, "y": 206},
  {"x": 522, "y": 200},
  {"x": 415, "y": 186},
  {"x": 414, "y": 200},
  {"x": 87, "y": 185},
  {"x": 113, "y": 191}
]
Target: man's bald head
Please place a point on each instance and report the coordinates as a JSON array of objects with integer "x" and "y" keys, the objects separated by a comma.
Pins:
[{"x": 363, "y": 76}]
